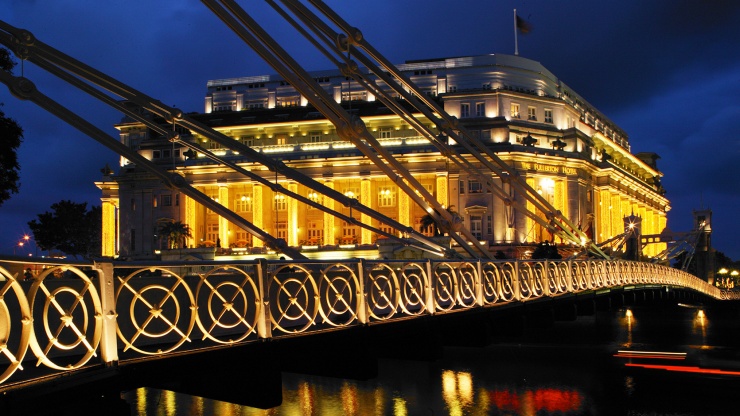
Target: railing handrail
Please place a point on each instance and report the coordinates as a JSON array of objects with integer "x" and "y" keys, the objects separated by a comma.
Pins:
[{"x": 121, "y": 309}]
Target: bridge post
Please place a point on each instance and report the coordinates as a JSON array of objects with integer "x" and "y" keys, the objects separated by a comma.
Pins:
[
  {"x": 516, "y": 285},
  {"x": 546, "y": 279},
  {"x": 429, "y": 301},
  {"x": 569, "y": 277},
  {"x": 479, "y": 284},
  {"x": 263, "y": 320},
  {"x": 109, "y": 337},
  {"x": 362, "y": 312}
]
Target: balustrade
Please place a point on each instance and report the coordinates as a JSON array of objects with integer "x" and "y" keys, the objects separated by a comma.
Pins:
[{"x": 73, "y": 315}]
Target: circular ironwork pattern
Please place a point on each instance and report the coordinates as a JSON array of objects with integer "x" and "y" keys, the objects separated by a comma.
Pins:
[
  {"x": 9, "y": 336},
  {"x": 293, "y": 298},
  {"x": 67, "y": 305},
  {"x": 382, "y": 291},
  {"x": 414, "y": 289},
  {"x": 228, "y": 305},
  {"x": 526, "y": 290},
  {"x": 467, "y": 282},
  {"x": 491, "y": 282},
  {"x": 445, "y": 287},
  {"x": 158, "y": 298},
  {"x": 340, "y": 290},
  {"x": 509, "y": 281}
]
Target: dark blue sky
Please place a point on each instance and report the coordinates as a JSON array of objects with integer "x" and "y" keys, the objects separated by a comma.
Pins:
[{"x": 667, "y": 72}]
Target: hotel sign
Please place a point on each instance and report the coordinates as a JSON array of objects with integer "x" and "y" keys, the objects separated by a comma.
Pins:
[{"x": 539, "y": 167}]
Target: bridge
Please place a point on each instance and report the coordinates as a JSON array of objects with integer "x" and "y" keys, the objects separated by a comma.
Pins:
[
  {"x": 81, "y": 321},
  {"x": 78, "y": 323}
]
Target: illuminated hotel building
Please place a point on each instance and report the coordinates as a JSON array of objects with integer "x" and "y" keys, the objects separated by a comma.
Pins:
[{"x": 568, "y": 151}]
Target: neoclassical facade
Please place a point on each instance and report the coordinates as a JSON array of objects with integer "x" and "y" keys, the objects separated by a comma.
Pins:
[{"x": 572, "y": 154}]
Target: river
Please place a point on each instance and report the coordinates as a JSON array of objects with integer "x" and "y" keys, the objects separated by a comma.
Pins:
[{"x": 639, "y": 361}]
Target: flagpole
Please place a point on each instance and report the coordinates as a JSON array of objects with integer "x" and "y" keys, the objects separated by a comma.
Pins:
[{"x": 516, "y": 41}]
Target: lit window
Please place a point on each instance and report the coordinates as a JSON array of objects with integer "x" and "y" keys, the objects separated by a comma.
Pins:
[
  {"x": 243, "y": 203},
  {"x": 386, "y": 197},
  {"x": 282, "y": 230},
  {"x": 315, "y": 197},
  {"x": 515, "y": 111},
  {"x": 281, "y": 203}
]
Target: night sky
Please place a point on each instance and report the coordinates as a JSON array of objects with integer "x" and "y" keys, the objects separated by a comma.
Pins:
[{"x": 666, "y": 72}]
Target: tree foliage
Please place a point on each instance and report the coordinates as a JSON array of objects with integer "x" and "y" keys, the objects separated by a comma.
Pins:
[
  {"x": 176, "y": 232},
  {"x": 11, "y": 136},
  {"x": 69, "y": 227}
]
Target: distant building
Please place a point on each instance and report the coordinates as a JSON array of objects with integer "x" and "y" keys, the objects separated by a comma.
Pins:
[{"x": 567, "y": 150}]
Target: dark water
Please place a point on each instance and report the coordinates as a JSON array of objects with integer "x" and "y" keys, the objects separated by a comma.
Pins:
[{"x": 571, "y": 368}]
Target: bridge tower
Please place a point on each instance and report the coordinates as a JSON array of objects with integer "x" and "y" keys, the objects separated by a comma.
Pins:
[
  {"x": 633, "y": 230},
  {"x": 704, "y": 254}
]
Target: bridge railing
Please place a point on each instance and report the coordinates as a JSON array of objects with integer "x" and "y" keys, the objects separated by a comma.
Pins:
[{"x": 69, "y": 315}]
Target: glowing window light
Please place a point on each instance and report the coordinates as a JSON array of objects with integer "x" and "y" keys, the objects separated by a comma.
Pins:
[{"x": 341, "y": 145}]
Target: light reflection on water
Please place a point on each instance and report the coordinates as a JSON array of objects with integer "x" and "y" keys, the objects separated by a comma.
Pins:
[
  {"x": 402, "y": 389},
  {"x": 549, "y": 379}
]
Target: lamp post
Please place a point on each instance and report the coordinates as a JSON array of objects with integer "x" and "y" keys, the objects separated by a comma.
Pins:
[{"x": 723, "y": 276}]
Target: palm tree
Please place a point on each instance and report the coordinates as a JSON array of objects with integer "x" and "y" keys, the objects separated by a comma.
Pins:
[
  {"x": 175, "y": 232},
  {"x": 439, "y": 229}
]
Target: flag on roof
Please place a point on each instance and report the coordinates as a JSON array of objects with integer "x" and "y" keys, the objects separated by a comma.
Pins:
[{"x": 523, "y": 25}]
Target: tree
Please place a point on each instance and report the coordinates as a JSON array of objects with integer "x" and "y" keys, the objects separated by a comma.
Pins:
[
  {"x": 11, "y": 136},
  {"x": 176, "y": 232},
  {"x": 71, "y": 228}
]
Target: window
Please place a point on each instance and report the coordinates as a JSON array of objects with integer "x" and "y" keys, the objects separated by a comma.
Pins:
[
  {"x": 212, "y": 232},
  {"x": 315, "y": 197},
  {"x": 480, "y": 109},
  {"x": 462, "y": 187},
  {"x": 281, "y": 230},
  {"x": 154, "y": 201},
  {"x": 248, "y": 141},
  {"x": 475, "y": 187},
  {"x": 133, "y": 239},
  {"x": 386, "y": 197},
  {"x": 315, "y": 137},
  {"x": 166, "y": 154},
  {"x": 315, "y": 232},
  {"x": 464, "y": 110},
  {"x": 177, "y": 200},
  {"x": 476, "y": 226},
  {"x": 281, "y": 203},
  {"x": 489, "y": 225},
  {"x": 548, "y": 115},
  {"x": 532, "y": 113},
  {"x": 156, "y": 154},
  {"x": 515, "y": 111},
  {"x": 385, "y": 133},
  {"x": 166, "y": 200},
  {"x": 280, "y": 140},
  {"x": 243, "y": 203},
  {"x": 351, "y": 193},
  {"x": 349, "y": 233},
  {"x": 133, "y": 204}
]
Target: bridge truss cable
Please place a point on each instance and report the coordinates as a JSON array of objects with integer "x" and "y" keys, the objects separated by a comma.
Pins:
[
  {"x": 349, "y": 127},
  {"x": 84, "y": 77},
  {"x": 341, "y": 48}
]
